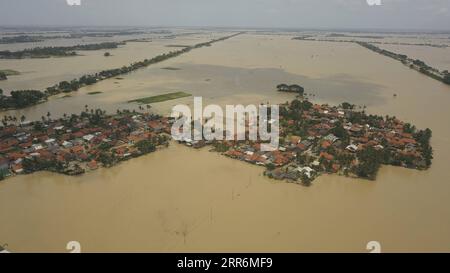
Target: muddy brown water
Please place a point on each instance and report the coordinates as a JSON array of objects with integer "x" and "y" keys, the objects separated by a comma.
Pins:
[{"x": 180, "y": 199}]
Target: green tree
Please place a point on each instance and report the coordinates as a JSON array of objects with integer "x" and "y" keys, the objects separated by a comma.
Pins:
[
  {"x": 270, "y": 166},
  {"x": 145, "y": 146},
  {"x": 369, "y": 163},
  {"x": 447, "y": 78},
  {"x": 106, "y": 159},
  {"x": 347, "y": 106}
]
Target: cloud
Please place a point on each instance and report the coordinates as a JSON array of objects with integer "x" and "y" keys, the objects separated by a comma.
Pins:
[{"x": 392, "y": 14}]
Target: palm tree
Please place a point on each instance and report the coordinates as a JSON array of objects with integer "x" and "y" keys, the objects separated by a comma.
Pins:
[{"x": 22, "y": 118}]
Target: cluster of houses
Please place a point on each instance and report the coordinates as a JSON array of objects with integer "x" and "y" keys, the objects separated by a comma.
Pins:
[
  {"x": 323, "y": 149},
  {"x": 75, "y": 144},
  {"x": 314, "y": 139}
]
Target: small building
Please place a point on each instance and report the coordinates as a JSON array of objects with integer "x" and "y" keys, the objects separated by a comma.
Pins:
[
  {"x": 352, "y": 148},
  {"x": 92, "y": 165},
  {"x": 26, "y": 123},
  {"x": 67, "y": 144},
  {"x": 332, "y": 138},
  {"x": 37, "y": 147},
  {"x": 88, "y": 138},
  {"x": 50, "y": 141},
  {"x": 306, "y": 170},
  {"x": 17, "y": 168}
]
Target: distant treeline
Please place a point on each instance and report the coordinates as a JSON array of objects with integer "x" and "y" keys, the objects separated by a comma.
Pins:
[
  {"x": 415, "y": 64},
  {"x": 28, "y": 98},
  {"x": 312, "y": 38},
  {"x": 418, "y": 65},
  {"x": 335, "y": 35},
  {"x": 21, "y": 39},
  {"x": 40, "y": 38},
  {"x": 61, "y": 51},
  {"x": 105, "y": 34},
  {"x": 20, "y": 99}
]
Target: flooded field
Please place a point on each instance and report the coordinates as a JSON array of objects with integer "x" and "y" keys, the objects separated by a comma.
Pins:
[
  {"x": 434, "y": 49},
  {"x": 436, "y": 57},
  {"x": 186, "y": 200},
  {"x": 42, "y": 73}
]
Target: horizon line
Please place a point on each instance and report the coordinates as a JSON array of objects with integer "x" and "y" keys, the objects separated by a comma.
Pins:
[{"x": 271, "y": 28}]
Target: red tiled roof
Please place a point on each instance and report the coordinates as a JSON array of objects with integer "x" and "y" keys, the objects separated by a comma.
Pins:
[
  {"x": 92, "y": 165},
  {"x": 9, "y": 130},
  {"x": 17, "y": 167},
  {"x": 408, "y": 141},
  {"x": 327, "y": 156},
  {"x": 326, "y": 144},
  {"x": 336, "y": 167},
  {"x": 9, "y": 142},
  {"x": 77, "y": 149},
  {"x": 83, "y": 156},
  {"x": 234, "y": 153},
  {"x": 407, "y": 135},
  {"x": 78, "y": 134},
  {"x": 16, "y": 155},
  {"x": 301, "y": 146},
  {"x": 46, "y": 154}
]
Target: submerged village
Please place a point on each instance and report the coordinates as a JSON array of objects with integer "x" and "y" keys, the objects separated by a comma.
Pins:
[
  {"x": 75, "y": 144},
  {"x": 314, "y": 139}
]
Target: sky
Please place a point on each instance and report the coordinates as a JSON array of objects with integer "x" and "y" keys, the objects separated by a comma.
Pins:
[{"x": 301, "y": 14}]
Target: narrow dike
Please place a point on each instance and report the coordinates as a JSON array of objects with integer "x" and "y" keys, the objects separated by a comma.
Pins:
[{"x": 25, "y": 98}]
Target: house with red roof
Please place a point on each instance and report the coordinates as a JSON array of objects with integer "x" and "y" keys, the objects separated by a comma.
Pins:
[{"x": 326, "y": 156}]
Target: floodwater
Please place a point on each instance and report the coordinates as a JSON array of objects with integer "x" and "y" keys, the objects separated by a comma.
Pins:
[
  {"x": 40, "y": 73},
  {"x": 180, "y": 199},
  {"x": 436, "y": 57},
  {"x": 416, "y": 46}
]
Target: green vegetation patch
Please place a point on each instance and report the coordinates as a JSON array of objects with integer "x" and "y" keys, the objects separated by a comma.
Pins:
[
  {"x": 10, "y": 72},
  {"x": 161, "y": 98},
  {"x": 94, "y": 93},
  {"x": 171, "y": 68},
  {"x": 177, "y": 46}
]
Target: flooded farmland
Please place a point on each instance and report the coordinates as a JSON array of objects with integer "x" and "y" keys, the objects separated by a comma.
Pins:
[{"x": 184, "y": 200}]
